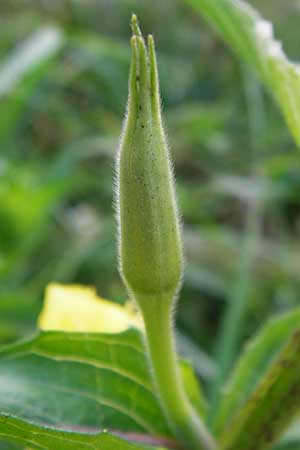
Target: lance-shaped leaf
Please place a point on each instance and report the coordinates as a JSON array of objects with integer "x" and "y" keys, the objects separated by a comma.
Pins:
[
  {"x": 23, "y": 69},
  {"x": 85, "y": 380},
  {"x": 272, "y": 406},
  {"x": 36, "y": 437},
  {"x": 72, "y": 379},
  {"x": 252, "y": 38},
  {"x": 253, "y": 364}
]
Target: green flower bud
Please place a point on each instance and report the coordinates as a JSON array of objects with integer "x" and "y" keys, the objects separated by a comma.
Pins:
[
  {"x": 149, "y": 238},
  {"x": 149, "y": 232}
]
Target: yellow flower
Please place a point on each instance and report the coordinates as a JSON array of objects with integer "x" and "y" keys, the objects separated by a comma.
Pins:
[{"x": 78, "y": 308}]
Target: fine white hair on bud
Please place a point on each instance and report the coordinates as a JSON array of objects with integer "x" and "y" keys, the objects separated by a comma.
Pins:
[{"x": 150, "y": 249}]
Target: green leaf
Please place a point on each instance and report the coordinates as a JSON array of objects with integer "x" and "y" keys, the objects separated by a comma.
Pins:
[
  {"x": 77, "y": 379},
  {"x": 253, "y": 363},
  {"x": 22, "y": 70},
  {"x": 192, "y": 387},
  {"x": 37, "y": 437},
  {"x": 92, "y": 380},
  {"x": 252, "y": 38},
  {"x": 272, "y": 406}
]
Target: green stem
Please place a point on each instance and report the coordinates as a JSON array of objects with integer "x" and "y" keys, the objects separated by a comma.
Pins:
[{"x": 182, "y": 418}]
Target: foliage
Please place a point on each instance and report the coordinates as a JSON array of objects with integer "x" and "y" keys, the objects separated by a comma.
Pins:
[
  {"x": 253, "y": 39},
  {"x": 63, "y": 84}
]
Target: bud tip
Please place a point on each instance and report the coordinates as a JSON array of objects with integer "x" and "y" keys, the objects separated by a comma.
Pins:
[
  {"x": 150, "y": 40},
  {"x": 135, "y": 25}
]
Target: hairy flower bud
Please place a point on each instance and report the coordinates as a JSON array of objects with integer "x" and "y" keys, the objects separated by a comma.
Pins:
[
  {"x": 149, "y": 233},
  {"x": 149, "y": 238}
]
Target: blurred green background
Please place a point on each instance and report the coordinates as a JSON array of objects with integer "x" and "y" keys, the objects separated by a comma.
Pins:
[{"x": 63, "y": 88}]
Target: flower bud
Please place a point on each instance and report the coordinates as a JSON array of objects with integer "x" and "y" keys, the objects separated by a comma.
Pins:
[{"x": 150, "y": 247}]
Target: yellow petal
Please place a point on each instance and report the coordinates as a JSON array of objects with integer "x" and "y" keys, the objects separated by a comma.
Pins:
[{"x": 78, "y": 308}]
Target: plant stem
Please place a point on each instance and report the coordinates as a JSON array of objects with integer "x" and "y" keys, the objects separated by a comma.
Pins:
[{"x": 182, "y": 418}]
